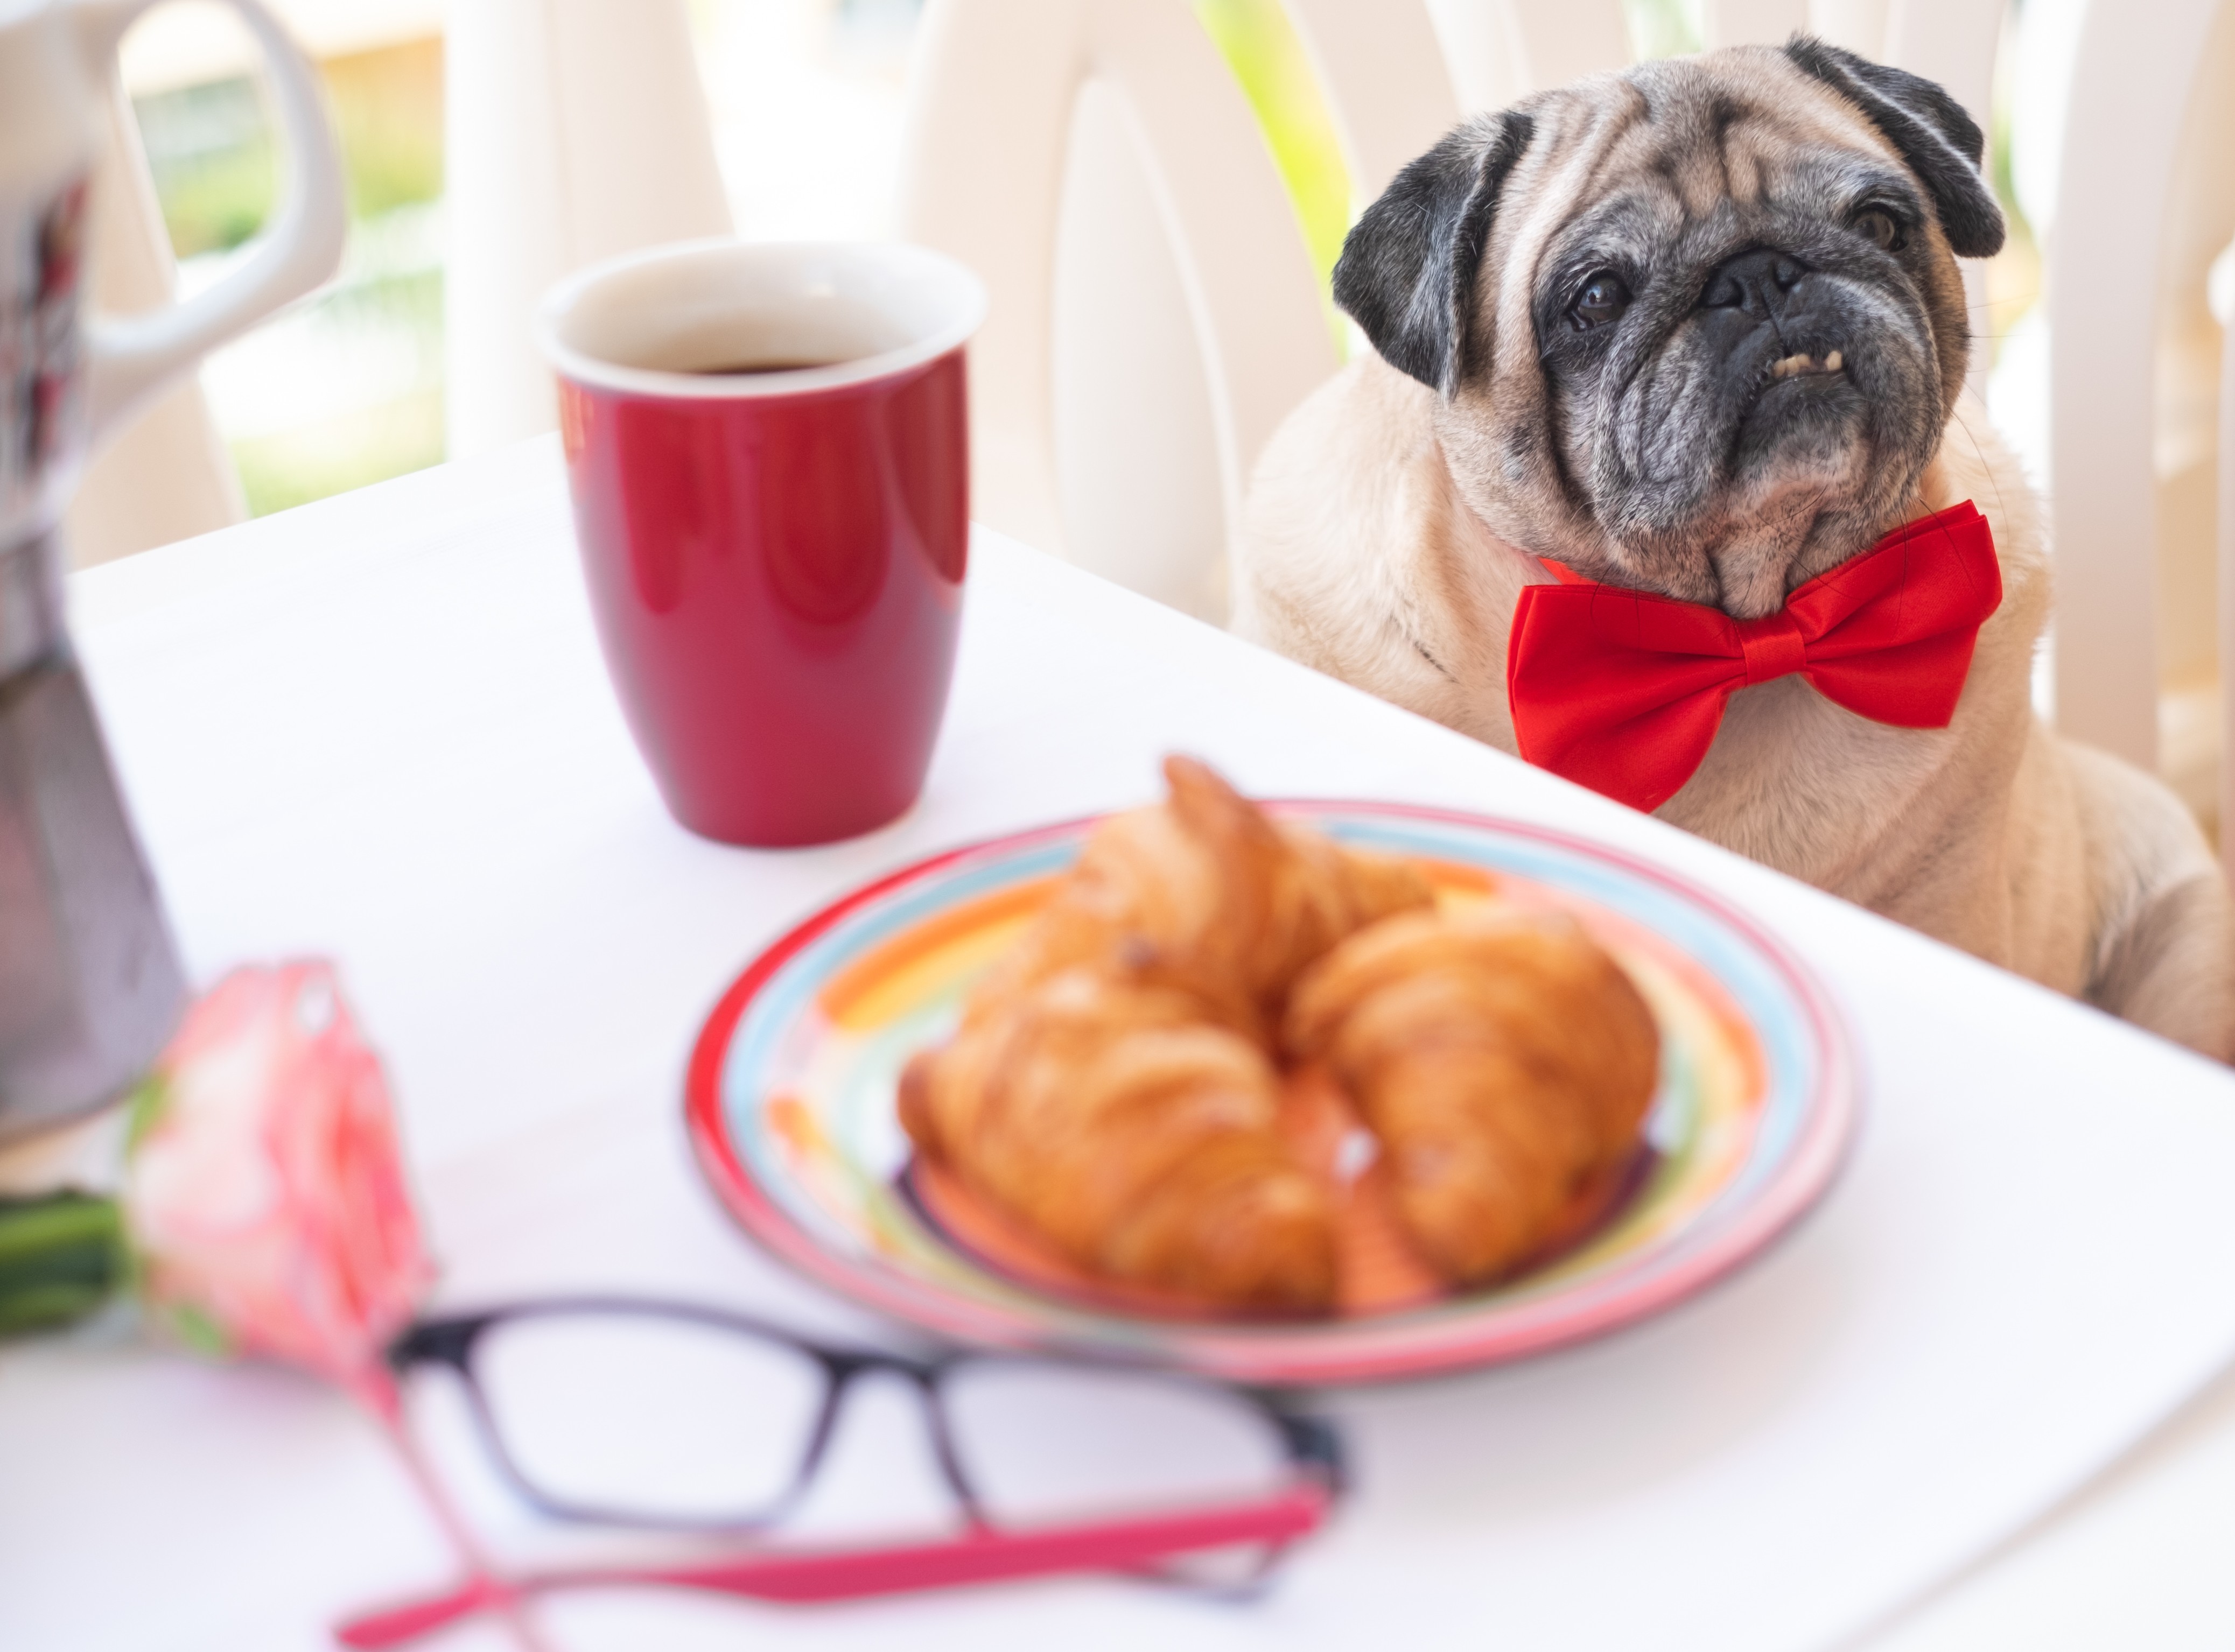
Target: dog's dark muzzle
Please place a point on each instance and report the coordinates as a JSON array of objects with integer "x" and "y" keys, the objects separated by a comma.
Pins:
[{"x": 1769, "y": 318}]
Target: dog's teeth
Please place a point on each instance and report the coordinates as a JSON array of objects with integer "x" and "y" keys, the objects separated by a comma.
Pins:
[{"x": 1797, "y": 362}]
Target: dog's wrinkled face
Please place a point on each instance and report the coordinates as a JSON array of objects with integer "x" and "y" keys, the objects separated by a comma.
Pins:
[{"x": 1697, "y": 328}]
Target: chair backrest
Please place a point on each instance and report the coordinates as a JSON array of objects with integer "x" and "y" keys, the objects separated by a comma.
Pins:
[
  {"x": 2133, "y": 79},
  {"x": 576, "y": 130},
  {"x": 1545, "y": 43},
  {"x": 1155, "y": 310},
  {"x": 1388, "y": 79},
  {"x": 165, "y": 475},
  {"x": 2223, "y": 311}
]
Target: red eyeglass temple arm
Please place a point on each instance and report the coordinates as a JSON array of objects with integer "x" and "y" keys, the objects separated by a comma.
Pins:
[{"x": 802, "y": 1575}]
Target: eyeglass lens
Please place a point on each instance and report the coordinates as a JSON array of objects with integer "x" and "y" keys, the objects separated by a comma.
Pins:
[
  {"x": 647, "y": 1417},
  {"x": 1040, "y": 1441}
]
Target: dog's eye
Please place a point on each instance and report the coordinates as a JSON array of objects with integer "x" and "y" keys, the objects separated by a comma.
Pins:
[
  {"x": 1876, "y": 225},
  {"x": 1602, "y": 299}
]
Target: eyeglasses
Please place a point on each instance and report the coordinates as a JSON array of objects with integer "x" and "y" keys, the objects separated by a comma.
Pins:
[{"x": 676, "y": 1416}]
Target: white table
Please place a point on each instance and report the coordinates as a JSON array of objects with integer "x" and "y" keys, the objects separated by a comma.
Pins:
[{"x": 377, "y": 729}]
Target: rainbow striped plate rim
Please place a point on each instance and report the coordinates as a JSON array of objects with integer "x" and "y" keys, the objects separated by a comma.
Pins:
[{"x": 790, "y": 1100}]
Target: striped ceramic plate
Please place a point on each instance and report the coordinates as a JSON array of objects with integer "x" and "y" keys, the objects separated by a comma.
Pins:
[{"x": 791, "y": 1087}]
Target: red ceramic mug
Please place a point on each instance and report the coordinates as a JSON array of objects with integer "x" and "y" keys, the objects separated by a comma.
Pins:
[{"x": 769, "y": 452}]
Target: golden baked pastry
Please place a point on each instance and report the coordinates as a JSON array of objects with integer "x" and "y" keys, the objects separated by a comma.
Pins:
[
  {"x": 1141, "y": 1139},
  {"x": 1206, "y": 893},
  {"x": 1503, "y": 1060},
  {"x": 1112, "y": 1088}
]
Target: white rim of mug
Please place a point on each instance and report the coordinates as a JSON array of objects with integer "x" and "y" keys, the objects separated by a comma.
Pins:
[{"x": 728, "y": 386}]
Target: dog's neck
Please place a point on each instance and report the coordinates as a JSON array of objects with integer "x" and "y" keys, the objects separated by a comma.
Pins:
[{"x": 1782, "y": 543}]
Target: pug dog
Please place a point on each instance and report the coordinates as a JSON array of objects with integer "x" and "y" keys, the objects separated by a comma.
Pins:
[{"x": 1697, "y": 330}]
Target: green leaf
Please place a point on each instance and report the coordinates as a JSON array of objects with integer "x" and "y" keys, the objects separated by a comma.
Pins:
[
  {"x": 144, "y": 1108},
  {"x": 194, "y": 1326}
]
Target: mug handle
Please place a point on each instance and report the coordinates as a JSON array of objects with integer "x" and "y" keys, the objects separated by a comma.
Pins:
[{"x": 130, "y": 357}]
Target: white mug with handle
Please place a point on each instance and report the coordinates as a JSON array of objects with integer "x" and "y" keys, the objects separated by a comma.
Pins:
[{"x": 67, "y": 380}]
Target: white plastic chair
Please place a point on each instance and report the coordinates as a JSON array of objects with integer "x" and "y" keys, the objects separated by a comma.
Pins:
[
  {"x": 1387, "y": 80},
  {"x": 576, "y": 130},
  {"x": 1155, "y": 314},
  {"x": 1500, "y": 49},
  {"x": 1155, "y": 309},
  {"x": 2133, "y": 81},
  {"x": 2223, "y": 311}
]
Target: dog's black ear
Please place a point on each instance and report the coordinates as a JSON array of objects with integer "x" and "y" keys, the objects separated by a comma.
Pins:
[
  {"x": 1407, "y": 273},
  {"x": 1938, "y": 139}
]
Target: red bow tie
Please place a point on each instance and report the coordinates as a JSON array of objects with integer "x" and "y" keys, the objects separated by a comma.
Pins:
[{"x": 1622, "y": 691}]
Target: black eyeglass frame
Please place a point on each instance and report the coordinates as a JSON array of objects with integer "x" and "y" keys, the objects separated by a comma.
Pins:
[{"x": 1309, "y": 1444}]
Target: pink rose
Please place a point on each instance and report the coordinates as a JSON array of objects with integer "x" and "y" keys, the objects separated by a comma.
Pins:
[{"x": 265, "y": 1190}]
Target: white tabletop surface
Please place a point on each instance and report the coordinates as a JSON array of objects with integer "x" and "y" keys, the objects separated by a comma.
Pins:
[{"x": 377, "y": 729}]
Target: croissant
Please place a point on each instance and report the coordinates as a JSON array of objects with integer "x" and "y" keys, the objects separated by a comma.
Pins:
[
  {"x": 1207, "y": 894},
  {"x": 1503, "y": 1059},
  {"x": 1140, "y": 1139}
]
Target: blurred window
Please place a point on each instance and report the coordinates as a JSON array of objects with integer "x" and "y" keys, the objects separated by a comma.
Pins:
[{"x": 346, "y": 388}]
